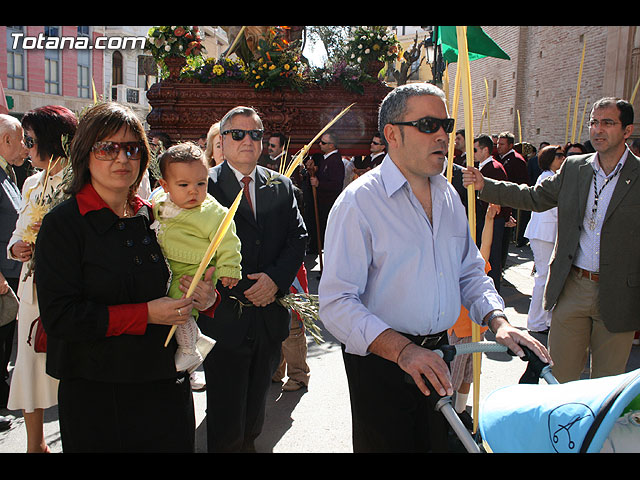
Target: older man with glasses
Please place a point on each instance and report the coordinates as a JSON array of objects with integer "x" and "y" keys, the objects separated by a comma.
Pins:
[
  {"x": 249, "y": 325},
  {"x": 400, "y": 261},
  {"x": 593, "y": 285}
]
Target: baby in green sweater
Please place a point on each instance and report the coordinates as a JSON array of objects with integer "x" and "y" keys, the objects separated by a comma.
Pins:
[{"x": 186, "y": 220}]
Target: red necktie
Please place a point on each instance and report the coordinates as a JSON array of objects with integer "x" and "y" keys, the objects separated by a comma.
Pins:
[{"x": 246, "y": 181}]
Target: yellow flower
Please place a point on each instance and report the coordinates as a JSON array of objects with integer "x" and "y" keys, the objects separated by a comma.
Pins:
[
  {"x": 286, "y": 66},
  {"x": 38, "y": 212},
  {"x": 271, "y": 67},
  {"x": 30, "y": 236}
]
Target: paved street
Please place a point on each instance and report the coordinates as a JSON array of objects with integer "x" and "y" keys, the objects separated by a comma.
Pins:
[{"x": 317, "y": 420}]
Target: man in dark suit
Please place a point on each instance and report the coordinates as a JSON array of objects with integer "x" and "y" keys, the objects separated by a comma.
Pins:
[
  {"x": 594, "y": 275},
  {"x": 249, "y": 324},
  {"x": 516, "y": 167},
  {"x": 364, "y": 164},
  {"x": 491, "y": 168},
  {"x": 12, "y": 153},
  {"x": 328, "y": 179}
]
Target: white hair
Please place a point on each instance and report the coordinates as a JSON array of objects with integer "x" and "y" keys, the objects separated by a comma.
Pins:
[{"x": 8, "y": 124}]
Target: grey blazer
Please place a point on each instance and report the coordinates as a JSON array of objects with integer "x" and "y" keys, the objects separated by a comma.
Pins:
[
  {"x": 10, "y": 199},
  {"x": 619, "y": 292}
]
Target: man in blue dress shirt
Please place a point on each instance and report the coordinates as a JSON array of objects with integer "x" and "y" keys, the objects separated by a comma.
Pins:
[{"x": 399, "y": 262}]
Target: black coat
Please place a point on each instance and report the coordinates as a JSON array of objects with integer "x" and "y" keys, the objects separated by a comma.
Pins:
[
  {"x": 84, "y": 264},
  {"x": 273, "y": 243}
]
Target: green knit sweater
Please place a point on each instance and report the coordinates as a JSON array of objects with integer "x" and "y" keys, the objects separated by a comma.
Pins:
[{"x": 185, "y": 237}]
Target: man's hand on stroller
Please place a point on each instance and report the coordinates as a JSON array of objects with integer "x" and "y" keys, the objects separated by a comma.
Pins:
[
  {"x": 416, "y": 361},
  {"x": 419, "y": 362},
  {"x": 512, "y": 337}
]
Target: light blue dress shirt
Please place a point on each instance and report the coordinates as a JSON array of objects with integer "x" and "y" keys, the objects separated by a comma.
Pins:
[{"x": 387, "y": 266}]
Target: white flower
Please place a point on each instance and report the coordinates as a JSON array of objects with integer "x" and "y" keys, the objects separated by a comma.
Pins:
[
  {"x": 360, "y": 46},
  {"x": 367, "y": 51}
]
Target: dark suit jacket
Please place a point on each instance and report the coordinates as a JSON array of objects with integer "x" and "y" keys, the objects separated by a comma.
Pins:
[
  {"x": 495, "y": 170},
  {"x": 330, "y": 177},
  {"x": 619, "y": 286},
  {"x": 273, "y": 243},
  {"x": 10, "y": 199},
  {"x": 516, "y": 167}
]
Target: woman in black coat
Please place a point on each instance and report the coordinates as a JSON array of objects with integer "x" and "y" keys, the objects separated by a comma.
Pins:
[{"x": 102, "y": 288}]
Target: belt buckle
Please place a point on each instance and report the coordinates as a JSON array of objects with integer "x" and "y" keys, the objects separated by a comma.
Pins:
[{"x": 435, "y": 338}]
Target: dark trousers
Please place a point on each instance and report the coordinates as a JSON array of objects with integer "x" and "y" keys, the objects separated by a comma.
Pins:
[
  {"x": 389, "y": 414},
  {"x": 151, "y": 417},
  {"x": 238, "y": 380},
  {"x": 7, "y": 333}
]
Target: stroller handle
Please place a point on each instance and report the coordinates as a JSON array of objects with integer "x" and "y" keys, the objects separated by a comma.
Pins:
[{"x": 536, "y": 366}]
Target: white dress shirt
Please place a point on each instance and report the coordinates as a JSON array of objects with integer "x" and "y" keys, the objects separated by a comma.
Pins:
[
  {"x": 252, "y": 184},
  {"x": 387, "y": 266}
]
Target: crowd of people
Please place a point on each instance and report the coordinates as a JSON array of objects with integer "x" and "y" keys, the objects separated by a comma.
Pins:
[{"x": 104, "y": 262}]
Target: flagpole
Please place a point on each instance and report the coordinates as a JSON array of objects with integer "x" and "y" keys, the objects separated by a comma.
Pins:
[
  {"x": 465, "y": 73},
  {"x": 566, "y": 131},
  {"x": 575, "y": 111},
  {"x": 452, "y": 135}
]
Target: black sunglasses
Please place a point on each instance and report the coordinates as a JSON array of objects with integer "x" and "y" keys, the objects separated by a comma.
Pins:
[
  {"x": 430, "y": 124},
  {"x": 111, "y": 150},
  {"x": 29, "y": 141},
  {"x": 238, "y": 134}
]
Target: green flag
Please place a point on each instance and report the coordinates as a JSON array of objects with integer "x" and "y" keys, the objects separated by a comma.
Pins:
[{"x": 479, "y": 43}]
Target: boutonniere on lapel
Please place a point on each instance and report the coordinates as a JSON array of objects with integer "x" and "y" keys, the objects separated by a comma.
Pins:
[{"x": 273, "y": 178}]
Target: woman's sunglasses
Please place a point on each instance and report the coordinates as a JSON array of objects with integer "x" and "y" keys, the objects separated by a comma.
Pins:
[
  {"x": 111, "y": 150},
  {"x": 238, "y": 134},
  {"x": 430, "y": 124}
]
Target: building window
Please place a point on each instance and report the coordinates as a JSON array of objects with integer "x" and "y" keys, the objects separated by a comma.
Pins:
[
  {"x": 117, "y": 74},
  {"x": 84, "y": 67},
  {"x": 52, "y": 64},
  {"x": 16, "y": 79},
  {"x": 147, "y": 72}
]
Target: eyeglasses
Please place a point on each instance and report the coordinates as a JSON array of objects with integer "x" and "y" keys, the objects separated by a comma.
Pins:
[
  {"x": 111, "y": 150},
  {"x": 430, "y": 124},
  {"x": 238, "y": 134},
  {"x": 29, "y": 142},
  {"x": 605, "y": 123},
  {"x": 373, "y": 142}
]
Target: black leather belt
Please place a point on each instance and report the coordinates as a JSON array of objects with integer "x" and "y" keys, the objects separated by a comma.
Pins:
[{"x": 427, "y": 341}]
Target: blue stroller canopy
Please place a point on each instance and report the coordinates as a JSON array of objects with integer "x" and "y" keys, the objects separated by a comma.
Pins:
[{"x": 571, "y": 417}]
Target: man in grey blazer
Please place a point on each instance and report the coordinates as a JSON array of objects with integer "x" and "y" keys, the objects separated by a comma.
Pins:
[
  {"x": 12, "y": 152},
  {"x": 593, "y": 285}
]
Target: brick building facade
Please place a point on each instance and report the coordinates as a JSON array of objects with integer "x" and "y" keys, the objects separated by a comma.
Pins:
[{"x": 541, "y": 79}]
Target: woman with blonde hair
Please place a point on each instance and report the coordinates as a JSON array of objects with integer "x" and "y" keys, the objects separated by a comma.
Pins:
[{"x": 213, "y": 150}]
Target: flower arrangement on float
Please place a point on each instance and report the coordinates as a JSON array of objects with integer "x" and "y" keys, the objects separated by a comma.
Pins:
[
  {"x": 173, "y": 46},
  {"x": 372, "y": 43},
  {"x": 275, "y": 64}
]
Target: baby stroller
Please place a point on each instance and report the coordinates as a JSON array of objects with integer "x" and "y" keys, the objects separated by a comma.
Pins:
[{"x": 584, "y": 416}]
